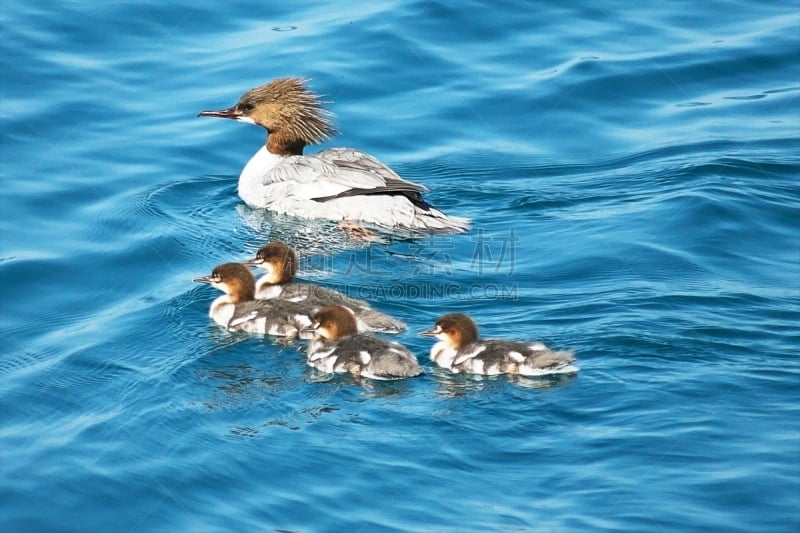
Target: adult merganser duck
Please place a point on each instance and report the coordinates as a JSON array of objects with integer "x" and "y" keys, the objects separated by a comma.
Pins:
[
  {"x": 238, "y": 310},
  {"x": 341, "y": 184},
  {"x": 338, "y": 348},
  {"x": 280, "y": 262},
  {"x": 460, "y": 350}
]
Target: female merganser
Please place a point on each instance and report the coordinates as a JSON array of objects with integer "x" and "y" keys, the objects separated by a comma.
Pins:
[
  {"x": 280, "y": 262},
  {"x": 460, "y": 350},
  {"x": 238, "y": 310},
  {"x": 337, "y": 347},
  {"x": 338, "y": 183}
]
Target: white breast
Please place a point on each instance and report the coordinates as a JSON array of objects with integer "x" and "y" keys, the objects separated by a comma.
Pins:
[
  {"x": 443, "y": 355},
  {"x": 267, "y": 291},
  {"x": 251, "y": 180},
  {"x": 221, "y": 310}
]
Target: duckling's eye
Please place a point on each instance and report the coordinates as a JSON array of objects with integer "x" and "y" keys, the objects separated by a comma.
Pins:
[{"x": 245, "y": 107}]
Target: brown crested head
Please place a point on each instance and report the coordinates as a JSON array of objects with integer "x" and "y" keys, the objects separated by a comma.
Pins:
[
  {"x": 233, "y": 279},
  {"x": 334, "y": 322},
  {"x": 279, "y": 260},
  {"x": 290, "y": 111},
  {"x": 456, "y": 329}
]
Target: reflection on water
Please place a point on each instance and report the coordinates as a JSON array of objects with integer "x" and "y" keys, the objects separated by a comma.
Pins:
[
  {"x": 239, "y": 384},
  {"x": 254, "y": 395},
  {"x": 370, "y": 388},
  {"x": 307, "y": 236},
  {"x": 454, "y": 385}
]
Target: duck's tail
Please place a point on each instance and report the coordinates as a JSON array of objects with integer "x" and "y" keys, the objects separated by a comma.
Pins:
[
  {"x": 372, "y": 320},
  {"x": 431, "y": 220},
  {"x": 549, "y": 362}
]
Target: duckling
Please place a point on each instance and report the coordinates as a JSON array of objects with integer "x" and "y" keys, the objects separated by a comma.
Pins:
[
  {"x": 337, "y": 347},
  {"x": 238, "y": 310},
  {"x": 460, "y": 350},
  {"x": 279, "y": 260}
]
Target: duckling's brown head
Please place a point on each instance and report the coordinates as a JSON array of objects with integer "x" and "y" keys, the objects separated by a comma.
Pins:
[
  {"x": 279, "y": 260},
  {"x": 234, "y": 279},
  {"x": 334, "y": 322},
  {"x": 455, "y": 329}
]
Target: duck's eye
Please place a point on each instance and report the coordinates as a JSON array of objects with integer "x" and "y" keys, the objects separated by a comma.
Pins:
[{"x": 245, "y": 107}]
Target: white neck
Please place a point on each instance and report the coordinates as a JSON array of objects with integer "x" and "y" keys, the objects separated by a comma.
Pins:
[
  {"x": 443, "y": 354},
  {"x": 252, "y": 179},
  {"x": 221, "y": 310},
  {"x": 266, "y": 290}
]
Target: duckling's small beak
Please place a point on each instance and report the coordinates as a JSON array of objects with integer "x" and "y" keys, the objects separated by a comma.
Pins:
[
  {"x": 203, "y": 279},
  {"x": 231, "y": 112},
  {"x": 309, "y": 329},
  {"x": 254, "y": 262},
  {"x": 428, "y": 333}
]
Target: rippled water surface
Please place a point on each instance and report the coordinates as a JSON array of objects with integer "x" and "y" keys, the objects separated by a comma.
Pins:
[{"x": 632, "y": 171}]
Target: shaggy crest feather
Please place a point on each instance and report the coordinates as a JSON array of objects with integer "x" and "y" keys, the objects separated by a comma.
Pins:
[{"x": 291, "y": 109}]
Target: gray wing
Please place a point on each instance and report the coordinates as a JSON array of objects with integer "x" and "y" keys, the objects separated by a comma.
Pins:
[
  {"x": 316, "y": 297},
  {"x": 358, "y": 172},
  {"x": 358, "y": 169},
  {"x": 387, "y": 359},
  {"x": 246, "y": 311},
  {"x": 377, "y": 321},
  {"x": 279, "y": 315},
  {"x": 536, "y": 355},
  {"x": 543, "y": 357},
  {"x": 302, "y": 169}
]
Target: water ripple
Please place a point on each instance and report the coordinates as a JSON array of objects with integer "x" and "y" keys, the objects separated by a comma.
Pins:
[{"x": 632, "y": 173}]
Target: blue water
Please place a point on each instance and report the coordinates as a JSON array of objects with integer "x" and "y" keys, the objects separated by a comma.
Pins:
[{"x": 632, "y": 171}]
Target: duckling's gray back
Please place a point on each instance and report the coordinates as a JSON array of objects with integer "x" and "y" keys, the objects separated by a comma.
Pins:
[{"x": 394, "y": 363}]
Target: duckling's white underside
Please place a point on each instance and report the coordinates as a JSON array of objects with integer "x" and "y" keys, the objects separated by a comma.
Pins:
[
  {"x": 221, "y": 310},
  {"x": 289, "y": 184}
]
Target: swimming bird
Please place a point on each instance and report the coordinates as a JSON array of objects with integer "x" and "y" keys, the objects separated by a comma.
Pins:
[
  {"x": 460, "y": 350},
  {"x": 342, "y": 184},
  {"x": 337, "y": 347},
  {"x": 279, "y": 260},
  {"x": 238, "y": 310}
]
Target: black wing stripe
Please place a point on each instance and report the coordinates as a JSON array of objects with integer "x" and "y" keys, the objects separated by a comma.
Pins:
[{"x": 413, "y": 195}]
